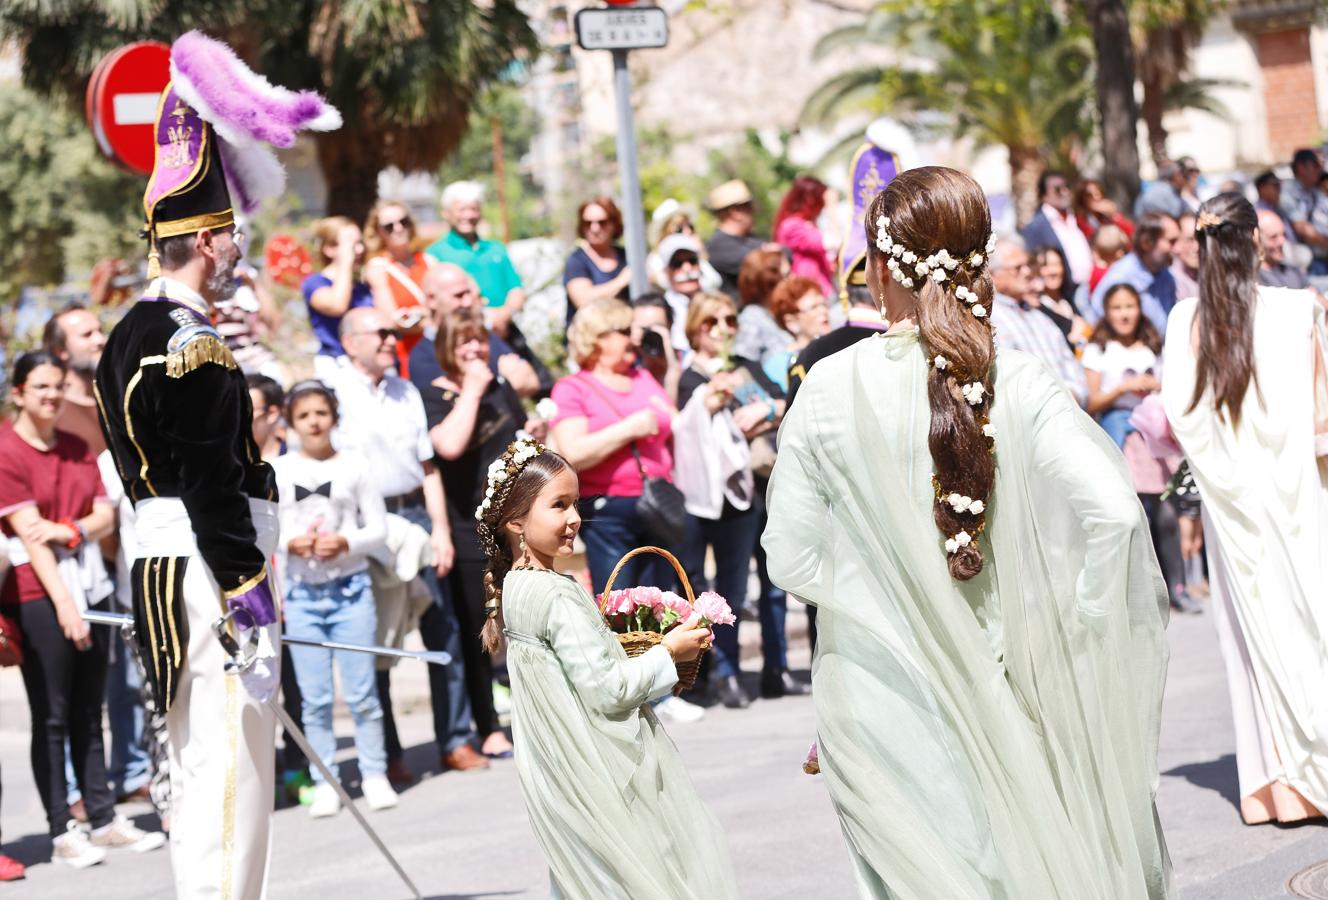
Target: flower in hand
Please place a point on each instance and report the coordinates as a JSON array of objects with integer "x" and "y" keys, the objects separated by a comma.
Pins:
[{"x": 714, "y": 609}]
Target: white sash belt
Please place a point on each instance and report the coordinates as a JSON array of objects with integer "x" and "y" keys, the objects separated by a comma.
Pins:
[{"x": 164, "y": 528}]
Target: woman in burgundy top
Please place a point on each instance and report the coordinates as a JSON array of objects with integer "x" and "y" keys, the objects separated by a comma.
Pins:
[{"x": 53, "y": 506}]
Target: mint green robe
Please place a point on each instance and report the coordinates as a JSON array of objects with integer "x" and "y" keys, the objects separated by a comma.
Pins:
[
  {"x": 609, "y": 797},
  {"x": 989, "y": 739}
]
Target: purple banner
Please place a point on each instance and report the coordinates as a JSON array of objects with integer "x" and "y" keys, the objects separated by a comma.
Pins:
[{"x": 872, "y": 169}]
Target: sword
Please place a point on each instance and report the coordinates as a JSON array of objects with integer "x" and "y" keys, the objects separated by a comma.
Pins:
[
  {"x": 434, "y": 657},
  {"x": 241, "y": 658}
]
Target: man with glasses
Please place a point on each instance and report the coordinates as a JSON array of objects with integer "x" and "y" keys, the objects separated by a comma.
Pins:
[
  {"x": 682, "y": 266},
  {"x": 1019, "y": 323},
  {"x": 1055, "y": 226},
  {"x": 382, "y": 418},
  {"x": 177, "y": 418},
  {"x": 731, "y": 204}
]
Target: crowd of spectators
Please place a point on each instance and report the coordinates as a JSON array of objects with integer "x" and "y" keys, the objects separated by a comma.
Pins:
[{"x": 422, "y": 376}]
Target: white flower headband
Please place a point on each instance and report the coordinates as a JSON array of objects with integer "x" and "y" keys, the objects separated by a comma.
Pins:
[
  {"x": 904, "y": 264},
  {"x": 501, "y": 469}
]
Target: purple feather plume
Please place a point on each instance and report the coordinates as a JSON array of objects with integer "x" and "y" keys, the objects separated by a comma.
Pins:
[{"x": 238, "y": 102}]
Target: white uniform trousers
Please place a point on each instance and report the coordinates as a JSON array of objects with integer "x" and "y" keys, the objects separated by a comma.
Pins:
[{"x": 222, "y": 741}]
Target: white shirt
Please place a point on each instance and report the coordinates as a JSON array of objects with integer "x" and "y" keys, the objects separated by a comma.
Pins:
[
  {"x": 385, "y": 424},
  {"x": 1077, "y": 252},
  {"x": 1116, "y": 362},
  {"x": 329, "y": 496}
]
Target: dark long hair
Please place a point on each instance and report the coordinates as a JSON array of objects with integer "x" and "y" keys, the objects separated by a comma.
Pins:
[
  {"x": 512, "y": 500},
  {"x": 930, "y": 209},
  {"x": 1144, "y": 329},
  {"x": 1228, "y": 288}
]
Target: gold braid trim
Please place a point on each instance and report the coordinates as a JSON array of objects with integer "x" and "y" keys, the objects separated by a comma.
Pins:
[{"x": 203, "y": 349}]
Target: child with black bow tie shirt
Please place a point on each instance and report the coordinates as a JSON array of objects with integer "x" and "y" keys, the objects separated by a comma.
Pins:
[{"x": 332, "y": 518}]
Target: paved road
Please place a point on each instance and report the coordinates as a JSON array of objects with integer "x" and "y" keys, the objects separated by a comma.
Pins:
[{"x": 465, "y": 835}]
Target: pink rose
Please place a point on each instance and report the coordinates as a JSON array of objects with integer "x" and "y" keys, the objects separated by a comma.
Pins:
[{"x": 714, "y": 609}]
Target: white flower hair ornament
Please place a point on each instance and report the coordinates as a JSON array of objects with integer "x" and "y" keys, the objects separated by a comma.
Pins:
[
  {"x": 973, "y": 392},
  {"x": 505, "y": 468},
  {"x": 962, "y": 539},
  {"x": 938, "y": 266}
]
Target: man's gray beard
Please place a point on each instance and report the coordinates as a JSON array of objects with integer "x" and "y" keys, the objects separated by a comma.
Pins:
[
  {"x": 83, "y": 366},
  {"x": 221, "y": 285}
]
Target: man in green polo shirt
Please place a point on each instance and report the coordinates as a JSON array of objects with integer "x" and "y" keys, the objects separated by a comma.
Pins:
[{"x": 486, "y": 261}]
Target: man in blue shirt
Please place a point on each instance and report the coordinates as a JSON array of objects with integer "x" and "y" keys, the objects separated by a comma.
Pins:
[{"x": 1147, "y": 270}]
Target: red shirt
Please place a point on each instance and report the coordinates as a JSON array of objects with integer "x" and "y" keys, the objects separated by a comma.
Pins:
[
  {"x": 405, "y": 283},
  {"x": 61, "y": 482}
]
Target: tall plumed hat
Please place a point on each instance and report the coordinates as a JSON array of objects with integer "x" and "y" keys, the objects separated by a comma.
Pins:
[{"x": 216, "y": 124}]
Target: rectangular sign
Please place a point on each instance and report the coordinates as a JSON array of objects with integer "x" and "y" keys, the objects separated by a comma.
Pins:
[{"x": 630, "y": 28}]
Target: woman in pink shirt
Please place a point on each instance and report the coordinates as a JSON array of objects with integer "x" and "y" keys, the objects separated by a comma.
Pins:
[
  {"x": 795, "y": 228},
  {"x": 604, "y": 409}
]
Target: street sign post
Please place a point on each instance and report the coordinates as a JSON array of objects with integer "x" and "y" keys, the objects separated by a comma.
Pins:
[
  {"x": 121, "y": 102},
  {"x": 622, "y": 29}
]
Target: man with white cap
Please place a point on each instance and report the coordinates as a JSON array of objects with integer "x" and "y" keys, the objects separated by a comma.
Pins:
[
  {"x": 682, "y": 270},
  {"x": 731, "y": 204}
]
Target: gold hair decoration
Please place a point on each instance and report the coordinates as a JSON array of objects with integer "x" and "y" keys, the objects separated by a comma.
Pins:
[{"x": 1207, "y": 220}]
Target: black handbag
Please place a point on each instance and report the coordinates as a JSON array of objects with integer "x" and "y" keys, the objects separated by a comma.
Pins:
[{"x": 661, "y": 506}]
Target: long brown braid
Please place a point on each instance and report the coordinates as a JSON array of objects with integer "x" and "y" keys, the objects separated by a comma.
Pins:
[
  {"x": 930, "y": 210},
  {"x": 511, "y": 499}
]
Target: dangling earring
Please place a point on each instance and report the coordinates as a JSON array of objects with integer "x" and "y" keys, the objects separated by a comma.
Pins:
[{"x": 525, "y": 557}]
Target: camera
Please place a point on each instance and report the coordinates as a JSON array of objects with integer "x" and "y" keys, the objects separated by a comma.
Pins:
[{"x": 652, "y": 344}]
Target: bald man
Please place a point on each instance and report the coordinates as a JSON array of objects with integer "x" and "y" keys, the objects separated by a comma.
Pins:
[
  {"x": 382, "y": 419},
  {"x": 448, "y": 287},
  {"x": 1275, "y": 271}
]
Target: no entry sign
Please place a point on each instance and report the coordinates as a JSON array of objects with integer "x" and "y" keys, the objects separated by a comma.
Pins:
[{"x": 122, "y": 102}]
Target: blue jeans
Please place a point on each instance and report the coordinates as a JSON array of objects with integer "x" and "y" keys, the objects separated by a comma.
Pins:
[
  {"x": 610, "y": 528},
  {"x": 1116, "y": 423},
  {"x": 1318, "y": 266},
  {"x": 438, "y": 627},
  {"x": 733, "y": 541},
  {"x": 338, "y": 610},
  {"x": 131, "y": 766}
]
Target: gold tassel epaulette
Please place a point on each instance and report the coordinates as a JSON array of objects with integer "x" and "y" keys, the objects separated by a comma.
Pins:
[{"x": 202, "y": 349}]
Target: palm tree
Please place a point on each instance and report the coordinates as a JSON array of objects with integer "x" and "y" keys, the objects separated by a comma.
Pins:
[
  {"x": 404, "y": 73},
  {"x": 1118, "y": 113},
  {"x": 1000, "y": 72},
  {"x": 1165, "y": 33}
]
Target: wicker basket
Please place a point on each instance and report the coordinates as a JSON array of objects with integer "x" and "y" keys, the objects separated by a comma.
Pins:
[{"x": 638, "y": 642}]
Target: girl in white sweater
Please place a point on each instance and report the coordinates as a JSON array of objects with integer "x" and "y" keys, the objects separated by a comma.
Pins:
[{"x": 332, "y": 518}]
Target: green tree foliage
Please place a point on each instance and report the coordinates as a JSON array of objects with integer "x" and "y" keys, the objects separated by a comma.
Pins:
[
  {"x": 527, "y": 213},
  {"x": 404, "y": 73},
  {"x": 1014, "y": 73},
  {"x": 1165, "y": 33},
  {"x": 62, "y": 207}
]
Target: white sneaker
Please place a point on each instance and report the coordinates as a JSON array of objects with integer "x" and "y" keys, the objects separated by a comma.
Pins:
[
  {"x": 678, "y": 710},
  {"x": 122, "y": 834},
  {"x": 73, "y": 849},
  {"x": 378, "y": 792},
  {"x": 326, "y": 802}
]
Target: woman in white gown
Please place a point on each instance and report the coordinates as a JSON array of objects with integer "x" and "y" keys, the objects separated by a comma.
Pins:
[
  {"x": 1246, "y": 392},
  {"x": 988, "y": 674}
]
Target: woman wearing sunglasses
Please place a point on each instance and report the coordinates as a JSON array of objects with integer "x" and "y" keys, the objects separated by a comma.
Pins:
[
  {"x": 726, "y": 403},
  {"x": 597, "y": 268},
  {"x": 394, "y": 272}
]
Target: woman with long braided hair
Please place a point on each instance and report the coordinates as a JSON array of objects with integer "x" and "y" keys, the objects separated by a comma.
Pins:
[
  {"x": 988, "y": 675},
  {"x": 1246, "y": 391}
]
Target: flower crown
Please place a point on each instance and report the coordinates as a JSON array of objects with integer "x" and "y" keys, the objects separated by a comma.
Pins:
[
  {"x": 504, "y": 469},
  {"x": 904, "y": 264}
]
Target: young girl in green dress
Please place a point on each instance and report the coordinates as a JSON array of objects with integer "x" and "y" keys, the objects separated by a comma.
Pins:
[{"x": 608, "y": 795}]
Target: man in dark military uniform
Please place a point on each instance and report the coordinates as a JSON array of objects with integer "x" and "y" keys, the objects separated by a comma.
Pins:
[{"x": 176, "y": 413}]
